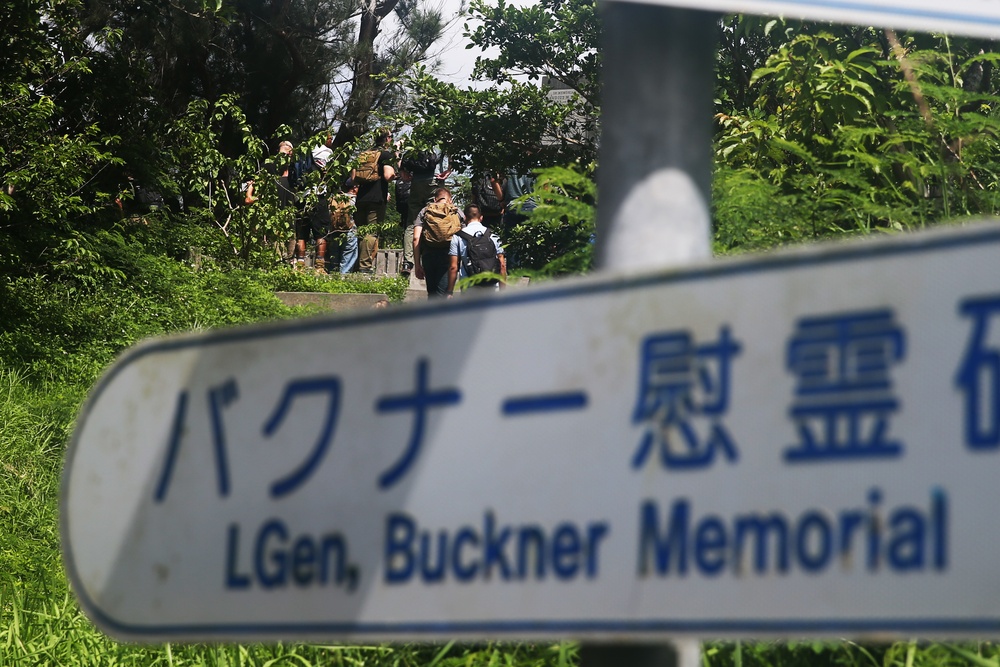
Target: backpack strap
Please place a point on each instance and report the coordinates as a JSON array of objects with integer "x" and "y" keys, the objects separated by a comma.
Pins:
[{"x": 467, "y": 260}]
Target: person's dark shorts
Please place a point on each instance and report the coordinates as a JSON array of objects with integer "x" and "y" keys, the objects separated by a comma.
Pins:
[{"x": 315, "y": 222}]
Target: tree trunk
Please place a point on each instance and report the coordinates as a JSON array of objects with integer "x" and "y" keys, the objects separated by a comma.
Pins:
[{"x": 364, "y": 88}]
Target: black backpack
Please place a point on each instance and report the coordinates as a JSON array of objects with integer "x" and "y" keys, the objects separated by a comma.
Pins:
[
  {"x": 487, "y": 199},
  {"x": 480, "y": 256},
  {"x": 423, "y": 162},
  {"x": 402, "y": 199},
  {"x": 300, "y": 170}
]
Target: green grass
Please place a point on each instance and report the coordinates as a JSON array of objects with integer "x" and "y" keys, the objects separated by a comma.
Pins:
[
  {"x": 286, "y": 280},
  {"x": 34, "y": 425},
  {"x": 850, "y": 654}
]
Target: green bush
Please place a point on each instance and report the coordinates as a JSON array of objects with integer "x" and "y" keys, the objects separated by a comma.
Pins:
[{"x": 557, "y": 236}]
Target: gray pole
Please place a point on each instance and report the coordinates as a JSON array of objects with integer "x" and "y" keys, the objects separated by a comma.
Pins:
[
  {"x": 627, "y": 655},
  {"x": 655, "y": 170},
  {"x": 654, "y": 182}
]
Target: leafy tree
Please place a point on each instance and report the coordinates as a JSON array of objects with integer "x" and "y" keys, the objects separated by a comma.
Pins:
[
  {"x": 854, "y": 129},
  {"x": 513, "y": 124},
  {"x": 375, "y": 73},
  {"x": 50, "y": 158},
  {"x": 554, "y": 38},
  {"x": 287, "y": 61},
  {"x": 491, "y": 129}
]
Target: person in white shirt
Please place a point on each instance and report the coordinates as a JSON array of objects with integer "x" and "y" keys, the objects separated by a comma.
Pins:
[{"x": 461, "y": 264}]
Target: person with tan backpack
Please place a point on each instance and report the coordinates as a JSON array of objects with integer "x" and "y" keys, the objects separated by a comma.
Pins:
[
  {"x": 375, "y": 169},
  {"x": 343, "y": 231},
  {"x": 433, "y": 228}
]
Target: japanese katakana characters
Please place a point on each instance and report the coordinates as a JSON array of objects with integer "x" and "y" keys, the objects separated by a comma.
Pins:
[
  {"x": 173, "y": 445},
  {"x": 420, "y": 401},
  {"x": 220, "y": 397},
  {"x": 328, "y": 385}
]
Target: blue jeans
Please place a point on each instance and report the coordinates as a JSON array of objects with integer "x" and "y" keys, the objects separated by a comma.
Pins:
[{"x": 349, "y": 253}]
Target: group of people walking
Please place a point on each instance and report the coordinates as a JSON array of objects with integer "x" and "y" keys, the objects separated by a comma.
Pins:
[{"x": 441, "y": 244}]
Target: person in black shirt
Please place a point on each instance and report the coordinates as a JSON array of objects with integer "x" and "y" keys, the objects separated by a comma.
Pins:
[
  {"x": 403, "y": 178},
  {"x": 373, "y": 197},
  {"x": 421, "y": 167}
]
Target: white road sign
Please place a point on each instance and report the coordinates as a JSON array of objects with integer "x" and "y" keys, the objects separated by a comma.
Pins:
[
  {"x": 803, "y": 443},
  {"x": 965, "y": 17}
]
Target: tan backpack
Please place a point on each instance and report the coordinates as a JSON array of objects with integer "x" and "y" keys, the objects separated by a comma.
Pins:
[
  {"x": 341, "y": 219},
  {"x": 441, "y": 222},
  {"x": 367, "y": 171}
]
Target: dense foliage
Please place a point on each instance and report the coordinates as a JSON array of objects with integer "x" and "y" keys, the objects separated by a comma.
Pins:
[
  {"x": 513, "y": 123},
  {"x": 846, "y": 130},
  {"x": 557, "y": 236},
  {"x": 59, "y": 332},
  {"x": 110, "y": 108}
]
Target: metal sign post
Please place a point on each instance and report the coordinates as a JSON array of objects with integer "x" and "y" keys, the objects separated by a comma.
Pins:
[
  {"x": 656, "y": 143},
  {"x": 654, "y": 181}
]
